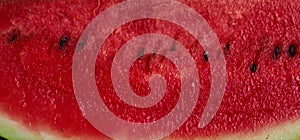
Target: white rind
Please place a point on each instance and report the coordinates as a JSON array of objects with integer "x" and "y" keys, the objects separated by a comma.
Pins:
[{"x": 13, "y": 130}]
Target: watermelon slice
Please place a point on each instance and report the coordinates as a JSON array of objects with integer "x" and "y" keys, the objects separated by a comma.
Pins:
[{"x": 260, "y": 41}]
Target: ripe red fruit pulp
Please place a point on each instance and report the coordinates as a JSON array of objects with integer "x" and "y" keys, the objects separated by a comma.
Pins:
[{"x": 36, "y": 79}]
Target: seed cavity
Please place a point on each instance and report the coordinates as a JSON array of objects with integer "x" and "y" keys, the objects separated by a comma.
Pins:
[
  {"x": 140, "y": 52},
  {"x": 276, "y": 52},
  {"x": 292, "y": 50},
  {"x": 205, "y": 56},
  {"x": 63, "y": 41},
  {"x": 173, "y": 47},
  {"x": 253, "y": 67}
]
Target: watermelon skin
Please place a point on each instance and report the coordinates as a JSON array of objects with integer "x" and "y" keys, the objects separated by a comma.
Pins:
[{"x": 36, "y": 79}]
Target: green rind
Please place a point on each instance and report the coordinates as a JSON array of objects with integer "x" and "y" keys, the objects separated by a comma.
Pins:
[{"x": 11, "y": 130}]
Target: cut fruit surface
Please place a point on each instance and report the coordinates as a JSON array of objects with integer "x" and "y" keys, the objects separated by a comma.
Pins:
[{"x": 260, "y": 41}]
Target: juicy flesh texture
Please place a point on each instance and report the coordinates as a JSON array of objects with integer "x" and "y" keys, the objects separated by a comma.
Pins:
[{"x": 36, "y": 76}]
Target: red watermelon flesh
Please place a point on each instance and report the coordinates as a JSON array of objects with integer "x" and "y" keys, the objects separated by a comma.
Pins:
[{"x": 262, "y": 84}]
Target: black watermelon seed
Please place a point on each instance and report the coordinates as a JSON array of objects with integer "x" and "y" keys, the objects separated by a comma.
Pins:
[
  {"x": 276, "y": 52},
  {"x": 227, "y": 47},
  {"x": 292, "y": 50},
  {"x": 253, "y": 67},
  {"x": 13, "y": 35},
  {"x": 1, "y": 138},
  {"x": 205, "y": 56},
  {"x": 13, "y": 38},
  {"x": 62, "y": 42}
]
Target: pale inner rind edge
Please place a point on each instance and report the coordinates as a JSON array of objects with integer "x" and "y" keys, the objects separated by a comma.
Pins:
[{"x": 13, "y": 130}]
